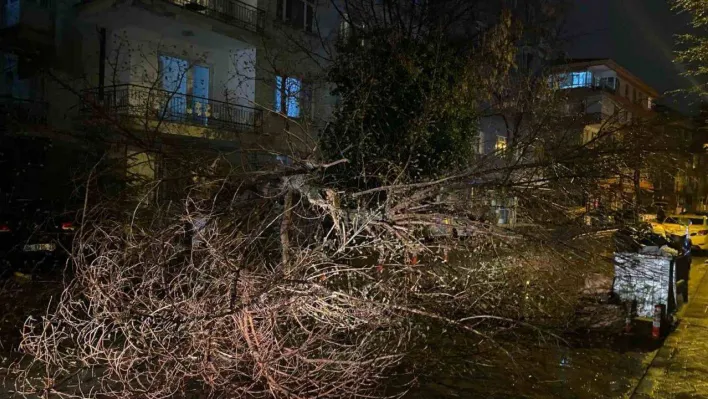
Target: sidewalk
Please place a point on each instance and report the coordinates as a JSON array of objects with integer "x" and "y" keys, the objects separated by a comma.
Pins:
[{"x": 680, "y": 368}]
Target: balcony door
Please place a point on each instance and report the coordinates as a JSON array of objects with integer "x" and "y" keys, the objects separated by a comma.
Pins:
[{"x": 186, "y": 88}]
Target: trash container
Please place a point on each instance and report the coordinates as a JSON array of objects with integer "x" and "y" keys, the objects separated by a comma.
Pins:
[{"x": 651, "y": 270}]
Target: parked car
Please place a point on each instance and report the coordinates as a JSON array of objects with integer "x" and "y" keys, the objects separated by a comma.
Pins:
[
  {"x": 697, "y": 228},
  {"x": 35, "y": 235}
]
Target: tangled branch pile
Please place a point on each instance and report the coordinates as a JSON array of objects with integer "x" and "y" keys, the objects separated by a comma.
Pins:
[{"x": 249, "y": 292}]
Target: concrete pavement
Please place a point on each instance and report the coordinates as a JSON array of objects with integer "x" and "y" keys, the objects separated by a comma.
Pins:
[{"x": 680, "y": 368}]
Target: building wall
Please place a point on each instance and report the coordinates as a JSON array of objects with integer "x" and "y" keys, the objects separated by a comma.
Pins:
[
  {"x": 287, "y": 51},
  {"x": 243, "y": 64},
  {"x": 133, "y": 58}
]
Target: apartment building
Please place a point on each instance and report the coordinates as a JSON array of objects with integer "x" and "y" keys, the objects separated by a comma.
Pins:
[
  {"x": 598, "y": 95},
  {"x": 604, "y": 91},
  {"x": 607, "y": 98},
  {"x": 691, "y": 183},
  {"x": 239, "y": 78}
]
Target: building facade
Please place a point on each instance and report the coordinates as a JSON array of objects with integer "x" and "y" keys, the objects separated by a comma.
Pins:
[
  {"x": 600, "y": 98},
  {"x": 610, "y": 99},
  {"x": 242, "y": 79}
]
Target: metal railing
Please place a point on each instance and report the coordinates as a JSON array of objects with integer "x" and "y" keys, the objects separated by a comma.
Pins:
[
  {"x": 17, "y": 110},
  {"x": 156, "y": 104},
  {"x": 232, "y": 12}
]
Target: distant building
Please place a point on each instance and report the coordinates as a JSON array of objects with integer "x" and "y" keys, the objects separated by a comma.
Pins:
[
  {"x": 609, "y": 98},
  {"x": 605, "y": 92},
  {"x": 612, "y": 97},
  {"x": 599, "y": 95},
  {"x": 692, "y": 182}
]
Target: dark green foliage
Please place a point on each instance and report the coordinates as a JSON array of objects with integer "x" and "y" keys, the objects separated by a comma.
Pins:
[{"x": 407, "y": 109}]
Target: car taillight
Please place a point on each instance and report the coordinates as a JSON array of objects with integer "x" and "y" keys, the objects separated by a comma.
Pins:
[
  {"x": 703, "y": 233},
  {"x": 4, "y": 228},
  {"x": 67, "y": 226}
]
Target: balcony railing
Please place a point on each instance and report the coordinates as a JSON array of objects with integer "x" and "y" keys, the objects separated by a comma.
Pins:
[
  {"x": 21, "y": 111},
  {"x": 232, "y": 12},
  {"x": 170, "y": 107}
]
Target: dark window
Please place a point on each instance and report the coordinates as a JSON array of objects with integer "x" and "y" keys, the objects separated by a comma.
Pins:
[
  {"x": 528, "y": 60},
  {"x": 609, "y": 84},
  {"x": 530, "y": 12},
  {"x": 299, "y": 13},
  {"x": 294, "y": 12},
  {"x": 12, "y": 83},
  {"x": 308, "y": 18}
]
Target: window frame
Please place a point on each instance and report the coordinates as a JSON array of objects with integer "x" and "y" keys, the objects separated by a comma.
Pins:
[
  {"x": 189, "y": 88},
  {"x": 189, "y": 76},
  {"x": 304, "y": 97},
  {"x": 604, "y": 83},
  {"x": 282, "y": 7},
  {"x": 575, "y": 79}
]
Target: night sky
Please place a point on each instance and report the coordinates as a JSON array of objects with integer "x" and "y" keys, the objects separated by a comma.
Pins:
[{"x": 638, "y": 34}]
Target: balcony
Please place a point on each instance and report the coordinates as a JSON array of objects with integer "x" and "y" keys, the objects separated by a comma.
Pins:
[
  {"x": 143, "y": 12},
  {"x": 21, "y": 112},
  {"x": 232, "y": 12},
  {"x": 165, "y": 109}
]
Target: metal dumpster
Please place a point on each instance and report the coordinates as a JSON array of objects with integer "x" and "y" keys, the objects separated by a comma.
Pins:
[
  {"x": 651, "y": 270},
  {"x": 646, "y": 280}
]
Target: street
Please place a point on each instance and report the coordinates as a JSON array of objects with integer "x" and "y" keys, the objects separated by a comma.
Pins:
[{"x": 680, "y": 367}]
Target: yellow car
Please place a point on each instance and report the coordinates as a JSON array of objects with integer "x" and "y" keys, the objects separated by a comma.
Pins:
[{"x": 697, "y": 228}]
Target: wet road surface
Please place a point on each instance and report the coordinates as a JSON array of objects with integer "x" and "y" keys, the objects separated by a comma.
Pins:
[{"x": 616, "y": 366}]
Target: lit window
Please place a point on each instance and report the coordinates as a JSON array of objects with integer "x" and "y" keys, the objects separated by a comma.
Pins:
[
  {"x": 500, "y": 144},
  {"x": 575, "y": 79},
  {"x": 292, "y": 98},
  {"x": 187, "y": 88},
  {"x": 589, "y": 135}
]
